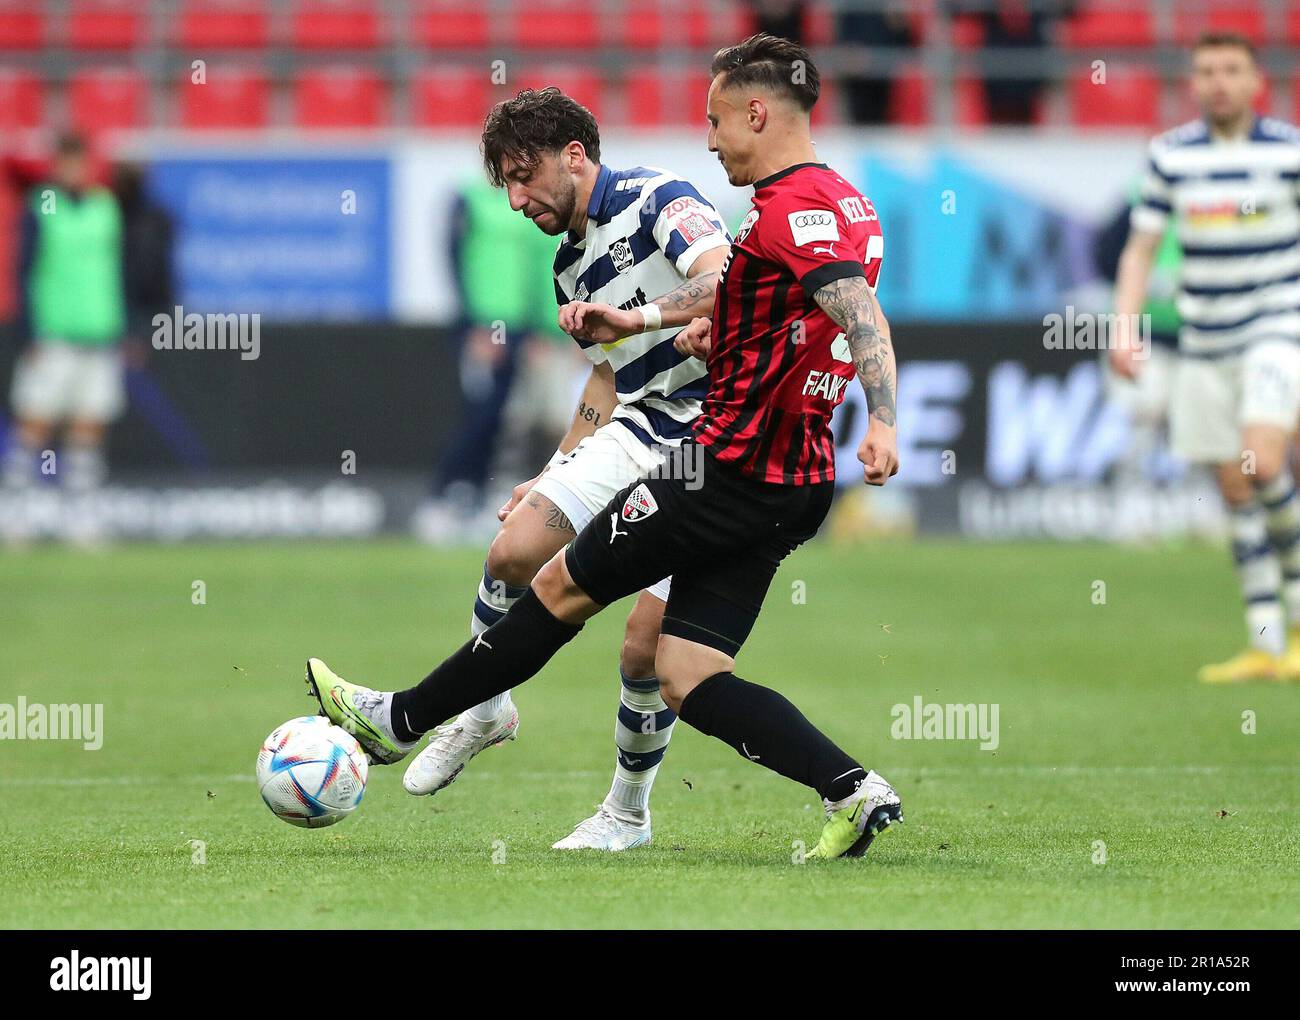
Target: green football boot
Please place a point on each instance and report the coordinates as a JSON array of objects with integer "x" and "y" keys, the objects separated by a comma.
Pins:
[{"x": 854, "y": 822}]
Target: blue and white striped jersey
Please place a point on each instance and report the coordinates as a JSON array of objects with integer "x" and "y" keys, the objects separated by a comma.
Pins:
[
  {"x": 1236, "y": 207},
  {"x": 645, "y": 229}
]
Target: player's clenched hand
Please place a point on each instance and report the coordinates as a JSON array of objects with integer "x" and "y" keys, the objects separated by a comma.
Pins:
[
  {"x": 602, "y": 323},
  {"x": 1123, "y": 363},
  {"x": 516, "y": 497},
  {"x": 879, "y": 452},
  {"x": 695, "y": 339}
]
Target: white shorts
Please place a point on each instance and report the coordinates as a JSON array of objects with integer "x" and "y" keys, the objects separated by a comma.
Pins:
[
  {"x": 1147, "y": 397},
  {"x": 600, "y": 465},
  {"x": 1214, "y": 399},
  {"x": 56, "y": 381}
]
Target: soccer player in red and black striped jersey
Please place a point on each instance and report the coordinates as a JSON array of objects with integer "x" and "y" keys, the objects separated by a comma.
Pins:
[{"x": 795, "y": 320}]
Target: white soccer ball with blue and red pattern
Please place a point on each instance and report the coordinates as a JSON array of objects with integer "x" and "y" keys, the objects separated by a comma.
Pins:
[{"x": 311, "y": 772}]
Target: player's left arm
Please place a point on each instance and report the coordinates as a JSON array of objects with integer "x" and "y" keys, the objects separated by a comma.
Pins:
[{"x": 853, "y": 305}]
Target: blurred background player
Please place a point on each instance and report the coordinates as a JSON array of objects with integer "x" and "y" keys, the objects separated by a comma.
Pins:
[
  {"x": 501, "y": 269},
  {"x": 1229, "y": 182},
  {"x": 648, "y": 247},
  {"x": 71, "y": 314}
]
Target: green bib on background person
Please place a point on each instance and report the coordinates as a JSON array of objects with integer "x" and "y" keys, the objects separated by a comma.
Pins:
[
  {"x": 75, "y": 287},
  {"x": 497, "y": 260}
]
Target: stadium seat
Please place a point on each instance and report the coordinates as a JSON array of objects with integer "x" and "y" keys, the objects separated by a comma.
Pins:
[
  {"x": 555, "y": 24},
  {"x": 1110, "y": 23},
  {"x": 653, "y": 24},
  {"x": 108, "y": 100},
  {"x": 450, "y": 97},
  {"x": 584, "y": 86},
  {"x": 230, "y": 98},
  {"x": 340, "y": 97},
  {"x": 1246, "y": 18},
  {"x": 1130, "y": 97},
  {"x": 647, "y": 98},
  {"x": 967, "y": 32},
  {"x": 970, "y": 103},
  {"x": 21, "y": 100},
  {"x": 22, "y": 25},
  {"x": 449, "y": 24},
  {"x": 909, "y": 99},
  {"x": 224, "y": 24},
  {"x": 335, "y": 24},
  {"x": 107, "y": 25}
]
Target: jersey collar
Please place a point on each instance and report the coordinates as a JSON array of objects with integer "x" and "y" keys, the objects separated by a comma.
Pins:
[
  {"x": 766, "y": 181},
  {"x": 599, "y": 190}
]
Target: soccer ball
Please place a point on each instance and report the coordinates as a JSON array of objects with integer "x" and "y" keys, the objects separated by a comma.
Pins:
[{"x": 311, "y": 772}]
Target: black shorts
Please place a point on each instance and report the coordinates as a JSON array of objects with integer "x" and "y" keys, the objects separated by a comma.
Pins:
[{"x": 720, "y": 535}]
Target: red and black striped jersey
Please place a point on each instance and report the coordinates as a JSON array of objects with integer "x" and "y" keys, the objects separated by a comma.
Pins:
[{"x": 778, "y": 364}]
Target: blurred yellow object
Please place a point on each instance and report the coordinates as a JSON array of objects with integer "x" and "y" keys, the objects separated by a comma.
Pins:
[
  {"x": 862, "y": 513},
  {"x": 1290, "y": 669},
  {"x": 1252, "y": 664}
]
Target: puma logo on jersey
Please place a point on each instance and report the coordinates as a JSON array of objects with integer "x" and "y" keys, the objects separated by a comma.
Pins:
[
  {"x": 613, "y": 527},
  {"x": 479, "y": 641},
  {"x": 828, "y": 250},
  {"x": 825, "y": 384}
]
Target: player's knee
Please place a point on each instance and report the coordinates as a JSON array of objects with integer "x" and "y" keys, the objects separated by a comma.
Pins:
[
  {"x": 510, "y": 561},
  {"x": 638, "y": 656},
  {"x": 553, "y": 585}
]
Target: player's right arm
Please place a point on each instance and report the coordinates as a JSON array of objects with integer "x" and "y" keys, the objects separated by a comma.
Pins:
[
  {"x": 594, "y": 408},
  {"x": 1148, "y": 222},
  {"x": 1135, "y": 263}
]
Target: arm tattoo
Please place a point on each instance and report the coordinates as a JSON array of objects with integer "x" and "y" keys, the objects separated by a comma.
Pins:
[
  {"x": 849, "y": 303},
  {"x": 555, "y": 517},
  {"x": 588, "y": 413},
  {"x": 690, "y": 293}
]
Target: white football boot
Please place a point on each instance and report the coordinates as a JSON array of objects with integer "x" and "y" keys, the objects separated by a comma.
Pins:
[
  {"x": 603, "y": 831},
  {"x": 452, "y": 746}
]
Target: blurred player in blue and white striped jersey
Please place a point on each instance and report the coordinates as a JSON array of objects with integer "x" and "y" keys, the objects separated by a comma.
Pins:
[
  {"x": 640, "y": 257},
  {"x": 1230, "y": 182}
]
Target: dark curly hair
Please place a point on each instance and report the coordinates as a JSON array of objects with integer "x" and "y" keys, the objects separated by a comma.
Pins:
[
  {"x": 771, "y": 63},
  {"x": 536, "y": 121}
]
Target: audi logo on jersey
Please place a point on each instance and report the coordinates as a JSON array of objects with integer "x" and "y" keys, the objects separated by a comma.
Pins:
[{"x": 808, "y": 225}]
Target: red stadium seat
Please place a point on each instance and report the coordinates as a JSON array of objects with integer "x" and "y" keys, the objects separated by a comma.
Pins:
[
  {"x": 970, "y": 103},
  {"x": 647, "y": 95},
  {"x": 230, "y": 98},
  {"x": 449, "y": 24},
  {"x": 335, "y": 24},
  {"x": 22, "y": 25},
  {"x": 224, "y": 24},
  {"x": 1246, "y": 18},
  {"x": 1130, "y": 97},
  {"x": 652, "y": 24},
  {"x": 1110, "y": 23},
  {"x": 555, "y": 24},
  {"x": 909, "y": 99},
  {"x": 450, "y": 97},
  {"x": 967, "y": 32},
  {"x": 584, "y": 86},
  {"x": 108, "y": 100},
  {"x": 106, "y": 25},
  {"x": 340, "y": 97},
  {"x": 21, "y": 100}
]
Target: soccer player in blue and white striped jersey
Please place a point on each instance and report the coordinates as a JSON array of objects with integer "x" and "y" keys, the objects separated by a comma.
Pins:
[
  {"x": 1230, "y": 181},
  {"x": 640, "y": 256}
]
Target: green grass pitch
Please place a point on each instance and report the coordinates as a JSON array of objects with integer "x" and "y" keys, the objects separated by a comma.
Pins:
[{"x": 1105, "y": 738}]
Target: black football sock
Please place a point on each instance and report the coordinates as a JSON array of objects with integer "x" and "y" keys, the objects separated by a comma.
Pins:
[
  {"x": 513, "y": 649},
  {"x": 766, "y": 728}
]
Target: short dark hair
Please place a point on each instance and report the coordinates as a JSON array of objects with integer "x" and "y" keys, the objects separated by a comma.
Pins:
[
  {"x": 70, "y": 144},
  {"x": 771, "y": 63},
  {"x": 1234, "y": 39},
  {"x": 534, "y": 122}
]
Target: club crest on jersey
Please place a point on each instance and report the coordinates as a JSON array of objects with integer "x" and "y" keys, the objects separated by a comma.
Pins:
[
  {"x": 620, "y": 252},
  {"x": 639, "y": 505},
  {"x": 747, "y": 225},
  {"x": 581, "y": 294},
  {"x": 808, "y": 225}
]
